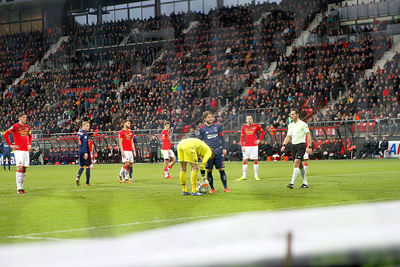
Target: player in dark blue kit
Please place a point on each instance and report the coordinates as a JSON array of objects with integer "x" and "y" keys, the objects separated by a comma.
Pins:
[
  {"x": 6, "y": 150},
  {"x": 211, "y": 133},
  {"x": 84, "y": 153}
]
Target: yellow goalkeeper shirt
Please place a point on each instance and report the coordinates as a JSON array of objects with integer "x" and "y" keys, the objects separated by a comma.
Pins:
[{"x": 191, "y": 149}]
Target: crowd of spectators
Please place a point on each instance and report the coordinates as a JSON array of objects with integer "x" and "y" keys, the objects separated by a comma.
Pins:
[
  {"x": 375, "y": 98},
  {"x": 19, "y": 51},
  {"x": 208, "y": 66}
]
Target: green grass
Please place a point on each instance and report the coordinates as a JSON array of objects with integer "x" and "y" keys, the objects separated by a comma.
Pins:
[{"x": 55, "y": 208}]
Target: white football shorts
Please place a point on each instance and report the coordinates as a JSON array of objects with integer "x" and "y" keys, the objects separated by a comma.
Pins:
[
  {"x": 168, "y": 154},
  {"x": 21, "y": 158},
  {"x": 128, "y": 157},
  {"x": 250, "y": 152}
]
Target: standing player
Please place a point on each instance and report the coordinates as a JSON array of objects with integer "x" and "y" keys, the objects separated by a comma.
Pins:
[
  {"x": 22, "y": 145},
  {"x": 249, "y": 142},
  {"x": 190, "y": 150},
  {"x": 128, "y": 152},
  {"x": 211, "y": 133},
  {"x": 6, "y": 150},
  {"x": 166, "y": 150},
  {"x": 298, "y": 132},
  {"x": 84, "y": 153}
]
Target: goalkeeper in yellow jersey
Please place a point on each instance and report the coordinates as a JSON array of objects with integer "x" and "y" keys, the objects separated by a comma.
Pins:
[{"x": 191, "y": 150}]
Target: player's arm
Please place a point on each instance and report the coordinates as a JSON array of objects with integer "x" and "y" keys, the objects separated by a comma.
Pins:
[
  {"x": 242, "y": 138},
  {"x": 262, "y": 134},
  {"x": 29, "y": 140},
  {"x": 286, "y": 141},
  {"x": 7, "y": 138},
  {"x": 309, "y": 142},
  {"x": 205, "y": 159},
  {"x": 121, "y": 147},
  {"x": 222, "y": 138}
]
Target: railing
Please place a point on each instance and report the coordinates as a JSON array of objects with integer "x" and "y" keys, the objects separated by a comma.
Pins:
[
  {"x": 370, "y": 10},
  {"x": 261, "y": 115},
  {"x": 349, "y": 132}
]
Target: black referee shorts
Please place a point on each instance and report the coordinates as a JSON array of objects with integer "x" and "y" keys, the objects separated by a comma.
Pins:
[{"x": 298, "y": 151}]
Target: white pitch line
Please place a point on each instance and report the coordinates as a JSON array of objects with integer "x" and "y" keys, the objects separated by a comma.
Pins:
[
  {"x": 197, "y": 217},
  {"x": 46, "y": 238},
  {"x": 94, "y": 187}
]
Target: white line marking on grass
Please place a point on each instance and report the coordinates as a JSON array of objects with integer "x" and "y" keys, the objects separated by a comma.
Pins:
[
  {"x": 46, "y": 238},
  {"x": 330, "y": 175},
  {"x": 33, "y": 235},
  {"x": 95, "y": 186}
]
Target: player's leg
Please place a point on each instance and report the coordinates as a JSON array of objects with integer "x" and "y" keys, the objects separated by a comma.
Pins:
[
  {"x": 22, "y": 161},
  {"x": 166, "y": 162},
  {"x": 121, "y": 175},
  {"x": 296, "y": 172},
  {"x": 173, "y": 160},
  {"x": 126, "y": 171},
  {"x": 303, "y": 174},
  {"x": 9, "y": 162},
  {"x": 78, "y": 177},
  {"x": 219, "y": 164},
  {"x": 298, "y": 154},
  {"x": 182, "y": 174},
  {"x": 87, "y": 167},
  {"x": 210, "y": 178},
  {"x": 182, "y": 177},
  {"x": 130, "y": 172},
  {"x": 254, "y": 158},
  {"x": 171, "y": 163},
  {"x": 4, "y": 163},
  {"x": 246, "y": 157},
  {"x": 193, "y": 179},
  {"x": 304, "y": 169},
  {"x": 244, "y": 169}
]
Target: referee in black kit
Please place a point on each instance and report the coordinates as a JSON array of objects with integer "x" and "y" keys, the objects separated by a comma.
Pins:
[{"x": 298, "y": 132}]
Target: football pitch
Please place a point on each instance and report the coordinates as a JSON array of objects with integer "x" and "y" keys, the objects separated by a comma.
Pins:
[{"x": 56, "y": 209}]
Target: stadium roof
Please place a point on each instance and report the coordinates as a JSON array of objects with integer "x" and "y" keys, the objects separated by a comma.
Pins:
[{"x": 75, "y": 5}]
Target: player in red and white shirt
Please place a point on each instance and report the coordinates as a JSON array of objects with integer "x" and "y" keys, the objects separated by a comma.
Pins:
[
  {"x": 166, "y": 150},
  {"x": 128, "y": 152},
  {"x": 22, "y": 145},
  {"x": 249, "y": 142}
]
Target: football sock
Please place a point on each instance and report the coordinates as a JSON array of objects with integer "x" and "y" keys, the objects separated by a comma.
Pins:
[
  {"x": 193, "y": 178},
  {"x": 23, "y": 175},
  {"x": 296, "y": 172},
  {"x": 18, "y": 177},
  {"x": 256, "y": 166},
  {"x": 223, "y": 178},
  {"x": 126, "y": 173},
  {"x": 122, "y": 172},
  {"x": 87, "y": 175},
  {"x": 210, "y": 179},
  {"x": 304, "y": 174},
  {"x": 305, "y": 168},
  {"x": 80, "y": 172},
  {"x": 244, "y": 170},
  {"x": 182, "y": 177},
  {"x": 166, "y": 172},
  {"x": 130, "y": 172}
]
